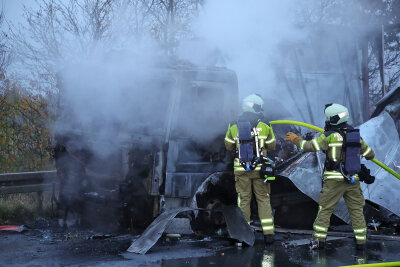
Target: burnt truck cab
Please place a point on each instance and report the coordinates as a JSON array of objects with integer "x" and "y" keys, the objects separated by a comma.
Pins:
[
  {"x": 133, "y": 143},
  {"x": 164, "y": 143},
  {"x": 192, "y": 150},
  {"x": 206, "y": 101}
]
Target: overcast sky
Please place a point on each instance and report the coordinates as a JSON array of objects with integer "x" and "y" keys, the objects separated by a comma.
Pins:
[{"x": 13, "y": 9}]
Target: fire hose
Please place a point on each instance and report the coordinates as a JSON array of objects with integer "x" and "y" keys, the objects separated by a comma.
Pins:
[{"x": 315, "y": 128}]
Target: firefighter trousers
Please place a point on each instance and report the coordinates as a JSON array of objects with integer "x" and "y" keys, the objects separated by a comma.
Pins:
[
  {"x": 246, "y": 183},
  {"x": 331, "y": 193}
]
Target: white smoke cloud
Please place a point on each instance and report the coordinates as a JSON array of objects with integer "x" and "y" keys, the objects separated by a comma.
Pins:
[
  {"x": 261, "y": 40},
  {"x": 108, "y": 80},
  {"x": 247, "y": 35}
]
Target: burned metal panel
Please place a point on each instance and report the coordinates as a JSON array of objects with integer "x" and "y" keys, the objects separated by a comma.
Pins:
[
  {"x": 237, "y": 227},
  {"x": 380, "y": 133},
  {"x": 305, "y": 175},
  {"x": 151, "y": 235},
  {"x": 390, "y": 103}
]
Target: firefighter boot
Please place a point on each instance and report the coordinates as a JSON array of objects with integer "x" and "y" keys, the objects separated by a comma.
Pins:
[
  {"x": 317, "y": 244},
  {"x": 268, "y": 239}
]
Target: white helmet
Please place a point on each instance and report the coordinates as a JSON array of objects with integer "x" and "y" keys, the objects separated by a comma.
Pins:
[
  {"x": 253, "y": 103},
  {"x": 336, "y": 114}
]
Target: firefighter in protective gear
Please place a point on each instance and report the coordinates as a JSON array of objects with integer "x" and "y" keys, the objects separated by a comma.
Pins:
[
  {"x": 249, "y": 181},
  {"x": 335, "y": 185}
]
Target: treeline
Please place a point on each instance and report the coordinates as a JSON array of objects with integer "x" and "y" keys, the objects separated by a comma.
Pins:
[{"x": 25, "y": 138}]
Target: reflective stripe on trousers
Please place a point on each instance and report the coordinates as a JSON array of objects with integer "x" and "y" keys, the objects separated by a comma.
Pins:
[
  {"x": 360, "y": 234},
  {"x": 320, "y": 232},
  {"x": 267, "y": 224}
]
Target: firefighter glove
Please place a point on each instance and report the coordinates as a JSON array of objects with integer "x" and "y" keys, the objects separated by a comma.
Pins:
[{"x": 292, "y": 137}]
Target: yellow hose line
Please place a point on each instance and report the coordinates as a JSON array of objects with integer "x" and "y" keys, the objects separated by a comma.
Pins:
[
  {"x": 383, "y": 264},
  {"x": 386, "y": 168},
  {"x": 315, "y": 128},
  {"x": 298, "y": 123}
]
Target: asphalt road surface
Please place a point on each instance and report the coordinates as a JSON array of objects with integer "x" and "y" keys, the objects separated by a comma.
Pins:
[{"x": 56, "y": 247}]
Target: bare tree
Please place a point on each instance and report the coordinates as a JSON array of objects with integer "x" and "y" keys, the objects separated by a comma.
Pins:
[
  {"x": 61, "y": 30},
  {"x": 56, "y": 32},
  {"x": 317, "y": 11},
  {"x": 4, "y": 55},
  {"x": 171, "y": 20},
  {"x": 369, "y": 15},
  {"x": 372, "y": 15}
]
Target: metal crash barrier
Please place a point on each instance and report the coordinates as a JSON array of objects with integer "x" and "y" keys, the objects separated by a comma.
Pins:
[{"x": 27, "y": 182}]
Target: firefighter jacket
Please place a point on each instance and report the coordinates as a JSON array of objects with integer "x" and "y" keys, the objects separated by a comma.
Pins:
[
  {"x": 266, "y": 141},
  {"x": 331, "y": 143}
]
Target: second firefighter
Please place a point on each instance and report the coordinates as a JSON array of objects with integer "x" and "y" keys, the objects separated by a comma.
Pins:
[{"x": 342, "y": 173}]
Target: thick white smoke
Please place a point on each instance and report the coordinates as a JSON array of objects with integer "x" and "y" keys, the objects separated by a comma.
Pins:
[
  {"x": 247, "y": 35},
  {"x": 264, "y": 43},
  {"x": 111, "y": 97},
  {"x": 110, "y": 84}
]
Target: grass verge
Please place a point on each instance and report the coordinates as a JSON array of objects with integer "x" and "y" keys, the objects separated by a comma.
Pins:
[{"x": 19, "y": 208}]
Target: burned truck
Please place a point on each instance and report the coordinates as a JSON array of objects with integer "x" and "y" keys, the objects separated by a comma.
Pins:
[
  {"x": 126, "y": 158},
  {"x": 133, "y": 143}
]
